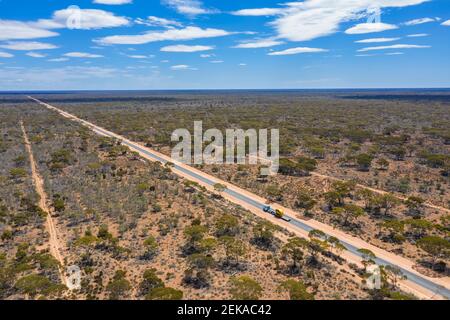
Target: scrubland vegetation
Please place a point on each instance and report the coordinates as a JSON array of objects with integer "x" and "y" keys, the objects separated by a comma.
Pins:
[
  {"x": 138, "y": 231},
  {"x": 26, "y": 267}
]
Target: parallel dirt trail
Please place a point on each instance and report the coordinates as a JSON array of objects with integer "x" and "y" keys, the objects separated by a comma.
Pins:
[{"x": 39, "y": 185}]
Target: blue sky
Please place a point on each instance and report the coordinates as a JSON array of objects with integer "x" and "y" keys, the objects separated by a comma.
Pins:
[{"x": 212, "y": 44}]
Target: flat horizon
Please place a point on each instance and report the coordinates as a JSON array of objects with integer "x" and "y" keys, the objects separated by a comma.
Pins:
[{"x": 234, "y": 89}]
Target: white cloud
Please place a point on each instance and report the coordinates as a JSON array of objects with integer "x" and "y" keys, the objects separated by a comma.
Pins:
[
  {"x": 153, "y": 21},
  {"x": 35, "y": 55},
  {"x": 58, "y": 59},
  {"x": 395, "y": 46},
  {"x": 184, "y": 48},
  {"x": 418, "y": 35},
  {"x": 72, "y": 17},
  {"x": 310, "y": 19},
  {"x": 188, "y": 33},
  {"x": 242, "y": 64},
  {"x": 83, "y": 19},
  {"x": 113, "y": 2},
  {"x": 180, "y": 67},
  {"x": 206, "y": 55},
  {"x": 188, "y": 7},
  {"x": 363, "y": 28},
  {"x": 446, "y": 23},
  {"x": 394, "y": 53},
  {"x": 258, "y": 12},
  {"x": 262, "y": 43},
  {"x": 5, "y": 55},
  {"x": 15, "y": 30},
  {"x": 137, "y": 56},
  {"x": 296, "y": 51},
  {"x": 376, "y": 40},
  {"x": 26, "y": 46},
  {"x": 217, "y": 61},
  {"x": 420, "y": 21},
  {"x": 82, "y": 55}
]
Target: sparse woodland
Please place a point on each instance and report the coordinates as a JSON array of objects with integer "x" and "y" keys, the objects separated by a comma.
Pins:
[
  {"x": 26, "y": 267},
  {"x": 138, "y": 231}
]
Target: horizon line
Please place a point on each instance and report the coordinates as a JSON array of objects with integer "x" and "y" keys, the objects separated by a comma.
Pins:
[{"x": 226, "y": 89}]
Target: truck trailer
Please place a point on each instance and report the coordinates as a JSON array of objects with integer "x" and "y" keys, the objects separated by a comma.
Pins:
[{"x": 277, "y": 213}]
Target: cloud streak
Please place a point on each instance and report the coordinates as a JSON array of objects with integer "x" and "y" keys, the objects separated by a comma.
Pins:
[
  {"x": 364, "y": 28},
  {"x": 153, "y": 21},
  {"x": 15, "y": 30},
  {"x": 82, "y": 55},
  {"x": 395, "y": 46},
  {"x": 5, "y": 55},
  {"x": 188, "y": 7},
  {"x": 184, "y": 48},
  {"x": 189, "y": 33},
  {"x": 377, "y": 40},
  {"x": 113, "y": 2},
  {"x": 417, "y": 35},
  {"x": 182, "y": 67},
  {"x": 26, "y": 46},
  {"x": 35, "y": 55},
  {"x": 83, "y": 19},
  {"x": 261, "y": 43},
  {"x": 420, "y": 21},
  {"x": 258, "y": 12},
  {"x": 297, "y": 50}
]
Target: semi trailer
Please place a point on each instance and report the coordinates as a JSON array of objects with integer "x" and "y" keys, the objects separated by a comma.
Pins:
[{"x": 277, "y": 213}]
